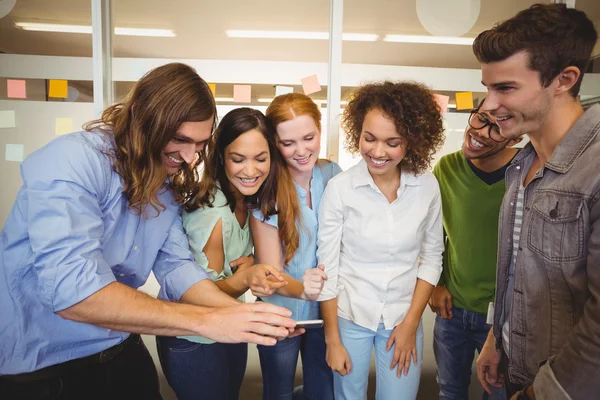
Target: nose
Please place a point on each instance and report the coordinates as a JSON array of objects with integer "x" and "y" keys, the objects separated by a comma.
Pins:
[
  {"x": 250, "y": 169},
  {"x": 300, "y": 150},
  {"x": 188, "y": 153},
  {"x": 378, "y": 150},
  {"x": 490, "y": 104}
]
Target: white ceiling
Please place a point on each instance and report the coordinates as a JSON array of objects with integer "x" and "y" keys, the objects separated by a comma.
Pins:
[{"x": 200, "y": 27}]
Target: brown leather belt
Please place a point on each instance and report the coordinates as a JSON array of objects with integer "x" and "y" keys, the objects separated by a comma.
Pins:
[{"x": 78, "y": 363}]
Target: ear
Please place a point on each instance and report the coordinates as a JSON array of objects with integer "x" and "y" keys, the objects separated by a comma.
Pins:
[{"x": 567, "y": 78}]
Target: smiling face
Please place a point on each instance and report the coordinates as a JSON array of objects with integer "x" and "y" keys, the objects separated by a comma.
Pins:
[
  {"x": 516, "y": 97},
  {"x": 381, "y": 146},
  {"x": 477, "y": 143},
  {"x": 247, "y": 162},
  {"x": 299, "y": 143},
  {"x": 188, "y": 141}
]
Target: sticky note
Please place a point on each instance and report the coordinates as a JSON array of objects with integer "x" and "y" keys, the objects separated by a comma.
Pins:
[
  {"x": 213, "y": 88},
  {"x": 63, "y": 125},
  {"x": 14, "y": 152},
  {"x": 464, "y": 100},
  {"x": 442, "y": 102},
  {"x": 279, "y": 90},
  {"x": 15, "y": 89},
  {"x": 58, "y": 88},
  {"x": 310, "y": 84},
  {"x": 7, "y": 119},
  {"x": 242, "y": 93}
]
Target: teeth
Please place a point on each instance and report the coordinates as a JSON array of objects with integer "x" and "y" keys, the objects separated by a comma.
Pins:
[
  {"x": 175, "y": 160},
  {"x": 249, "y": 180},
  {"x": 302, "y": 160},
  {"x": 475, "y": 143},
  {"x": 378, "y": 162},
  {"x": 502, "y": 118}
]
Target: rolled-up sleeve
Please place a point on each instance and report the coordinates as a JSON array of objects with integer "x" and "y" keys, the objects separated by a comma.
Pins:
[
  {"x": 331, "y": 222},
  {"x": 175, "y": 268},
  {"x": 432, "y": 246},
  {"x": 65, "y": 229}
]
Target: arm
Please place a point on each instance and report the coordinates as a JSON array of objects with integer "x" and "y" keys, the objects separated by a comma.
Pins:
[
  {"x": 238, "y": 283},
  {"x": 440, "y": 301},
  {"x": 403, "y": 338},
  {"x": 268, "y": 250},
  {"x": 122, "y": 308},
  {"x": 562, "y": 375}
]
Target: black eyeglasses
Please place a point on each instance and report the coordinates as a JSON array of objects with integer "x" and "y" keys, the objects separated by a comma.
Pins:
[{"x": 479, "y": 121}]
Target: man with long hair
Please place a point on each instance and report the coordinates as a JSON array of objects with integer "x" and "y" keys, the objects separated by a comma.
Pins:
[
  {"x": 547, "y": 311},
  {"x": 98, "y": 211}
]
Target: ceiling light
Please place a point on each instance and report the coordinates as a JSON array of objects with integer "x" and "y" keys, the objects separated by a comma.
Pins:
[
  {"x": 252, "y": 34},
  {"x": 429, "y": 39},
  {"x": 66, "y": 28}
]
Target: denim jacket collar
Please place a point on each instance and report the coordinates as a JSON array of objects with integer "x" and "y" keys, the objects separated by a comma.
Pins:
[{"x": 574, "y": 143}]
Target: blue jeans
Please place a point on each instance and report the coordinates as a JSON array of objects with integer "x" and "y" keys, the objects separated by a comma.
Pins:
[
  {"x": 278, "y": 365},
  {"x": 203, "y": 371},
  {"x": 359, "y": 343},
  {"x": 454, "y": 345}
]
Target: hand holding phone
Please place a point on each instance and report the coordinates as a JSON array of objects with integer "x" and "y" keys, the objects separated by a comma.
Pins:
[{"x": 309, "y": 324}]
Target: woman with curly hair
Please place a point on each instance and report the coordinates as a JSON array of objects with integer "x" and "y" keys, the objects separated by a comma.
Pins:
[{"x": 380, "y": 239}]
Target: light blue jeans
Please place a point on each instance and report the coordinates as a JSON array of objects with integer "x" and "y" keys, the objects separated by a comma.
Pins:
[{"x": 359, "y": 343}]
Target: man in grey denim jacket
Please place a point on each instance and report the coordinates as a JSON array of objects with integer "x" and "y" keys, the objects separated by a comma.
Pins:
[{"x": 547, "y": 315}]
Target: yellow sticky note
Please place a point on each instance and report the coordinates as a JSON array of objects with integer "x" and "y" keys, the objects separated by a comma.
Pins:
[
  {"x": 242, "y": 93},
  {"x": 58, "y": 88},
  {"x": 213, "y": 88},
  {"x": 464, "y": 100},
  {"x": 63, "y": 125}
]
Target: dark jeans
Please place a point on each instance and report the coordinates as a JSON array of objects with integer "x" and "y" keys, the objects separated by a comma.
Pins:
[
  {"x": 203, "y": 371},
  {"x": 454, "y": 344},
  {"x": 278, "y": 365},
  {"x": 131, "y": 374}
]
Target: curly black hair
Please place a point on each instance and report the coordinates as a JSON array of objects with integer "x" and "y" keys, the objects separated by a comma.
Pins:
[{"x": 412, "y": 108}]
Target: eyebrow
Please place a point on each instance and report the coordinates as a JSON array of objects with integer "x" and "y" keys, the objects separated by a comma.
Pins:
[
  {"x": 303, "y": 137},
  {"x": 504, "y": 83},
  {"x": 184, "y": 138},
  {"x": 388, "y": 139},
  {"x": 262, "y": 153}
]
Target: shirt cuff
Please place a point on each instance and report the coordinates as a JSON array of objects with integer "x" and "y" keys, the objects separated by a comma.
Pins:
[
  {"x": 180, "y": 279},
  {"x": 546, "y": 386},
  {"x": 77, "y": 285},
  {"x": 429, "y": 274}
]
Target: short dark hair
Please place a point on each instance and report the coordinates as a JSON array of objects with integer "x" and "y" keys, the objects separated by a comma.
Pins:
[
  {"x": 412, "y": 108},
  {"x": 554, "y": 36}
]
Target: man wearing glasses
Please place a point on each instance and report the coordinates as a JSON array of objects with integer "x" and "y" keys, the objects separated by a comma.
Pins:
[{"x": 472, "y": 187}]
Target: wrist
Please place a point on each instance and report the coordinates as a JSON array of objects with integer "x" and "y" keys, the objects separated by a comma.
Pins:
[{"x": 411, "y": 322}]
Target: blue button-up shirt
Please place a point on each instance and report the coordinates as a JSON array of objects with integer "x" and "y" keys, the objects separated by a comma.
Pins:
[
  {"x": 69, "y": 234},
  {"x": 305, "y": 256}
]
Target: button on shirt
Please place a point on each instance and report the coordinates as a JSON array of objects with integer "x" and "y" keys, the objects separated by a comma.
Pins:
[
  {"x": 69, "y": 234},
  {"x": 373, "y": 250}
]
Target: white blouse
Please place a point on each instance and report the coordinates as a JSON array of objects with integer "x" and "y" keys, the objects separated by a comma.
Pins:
[{"x": 373, "y": 250}]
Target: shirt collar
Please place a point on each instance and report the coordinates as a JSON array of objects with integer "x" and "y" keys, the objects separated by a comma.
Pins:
[{"x": 362, "y": 177}]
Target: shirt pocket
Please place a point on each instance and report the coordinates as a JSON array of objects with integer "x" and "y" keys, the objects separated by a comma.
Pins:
[{"x": 555, "y": 229}]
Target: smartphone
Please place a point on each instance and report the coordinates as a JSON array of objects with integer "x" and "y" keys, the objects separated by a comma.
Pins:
[{"x": 309, "y": 324}]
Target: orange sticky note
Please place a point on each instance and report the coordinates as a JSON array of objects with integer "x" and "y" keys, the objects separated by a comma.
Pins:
[
  {"x": 213, "y": 88},
  {"x": 464, "y": 100},
  {"x": 310, "y": 84},
  {"x": 63, "y": 125},
  {"x": 58, "y": 88},
  {"x": 442, "y": 101},
  {"x": 15, "y": 89},
  {"x": 242, "y": 93}
]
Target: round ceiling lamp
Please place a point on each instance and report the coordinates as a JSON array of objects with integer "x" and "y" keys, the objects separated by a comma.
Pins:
[
  {"x": 448, "y": 17},
  {"x": 6, "y": 6}
]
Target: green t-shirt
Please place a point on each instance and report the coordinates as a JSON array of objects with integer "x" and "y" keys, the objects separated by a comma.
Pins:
[
  {"x": 237, "y": 240},
  {"x": 470, "y": 215}
]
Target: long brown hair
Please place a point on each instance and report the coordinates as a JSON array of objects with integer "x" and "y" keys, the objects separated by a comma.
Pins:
[
  {"x": 285, "y": 108},
  {"x": 144, "y": 123}
]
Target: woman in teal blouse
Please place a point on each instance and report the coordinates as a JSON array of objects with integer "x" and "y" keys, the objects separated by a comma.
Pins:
[{"x": 239, "y": 161}]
